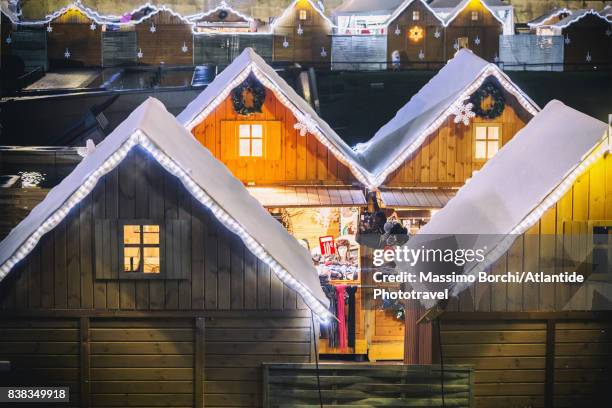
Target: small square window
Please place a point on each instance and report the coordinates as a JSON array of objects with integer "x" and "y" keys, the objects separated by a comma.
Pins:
[
  {"x": 486, "y": 141},
  {"x": 416, "y": 15},
  {"x": 141, "y": 248},
  {"x": 303, "y": 15},
  {"x": 250, "y": 140},
  {"x": 474, "y": 16}
]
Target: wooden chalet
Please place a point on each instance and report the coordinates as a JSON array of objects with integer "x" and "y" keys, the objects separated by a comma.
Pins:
[
  {"x": 149, "y": 276},
  {"x": 417, "y": 33},
  {"x": 540, "y": 25},
  {"x": 223, "y": 19},
  {"x": 164, "y": 36},
  {"x": 535, "y": 344},
  {"x": 74, "y": 37},
  {"x": 471, "y": 24},
  {"x": 302, "y": 33}
]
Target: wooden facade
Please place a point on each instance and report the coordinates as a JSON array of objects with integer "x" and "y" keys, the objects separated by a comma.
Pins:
[
  {"x": 589, "y": 43},
  {"x": 476, "y": 28},
  {"x": 188, "y": 340},
  {"x": 306, "y": 47},
  {"x": 420, "y": 40},
  {"x": 290, "y": 158},
  {"x": 161, "y": 38},
  {"x": 446, "y": 158},
  {"x": 75, "y": 40}
]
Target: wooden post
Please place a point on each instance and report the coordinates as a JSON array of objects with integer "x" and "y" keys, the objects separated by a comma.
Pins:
[
  {"x": 549, "y": 378},
  {"x": 417, "y": 337},
  {"x": 198, "y": 369},
  {"x": 85, "y": 362}
]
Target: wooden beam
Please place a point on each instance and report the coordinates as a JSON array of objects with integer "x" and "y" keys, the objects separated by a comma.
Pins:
[
  {"x": 84, "y": 363},
  {"x": 198, "y": 372},
  {"x": 549, "y": 378},
  {"x": 72, "y": 313}
]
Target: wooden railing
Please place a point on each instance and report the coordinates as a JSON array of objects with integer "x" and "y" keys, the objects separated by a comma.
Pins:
[{"x": 366, "y": 385}]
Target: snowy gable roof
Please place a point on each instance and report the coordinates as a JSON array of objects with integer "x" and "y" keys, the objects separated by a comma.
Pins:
[
  {"x": 77, "y": 5},
  {"x": 367, "y": 7},
  {"x": 556, "y": 11},
  {"x": 576, "y": 16},
  {"x": 504, "y": 199},
  {"x": 291, "y": 6},
  {"x": 454, "y": 12},
  {"x": 249, "y": 62},
  {"x": 428, "y": 109},
  {"x": 405, "y": 5},
  {"x": 153, "y": 128}
]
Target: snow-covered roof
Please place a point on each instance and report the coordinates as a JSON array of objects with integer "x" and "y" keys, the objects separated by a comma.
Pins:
[
  {"x": 248, "y": 61},
  {"x": 516, "y": 186},
  {"x": 451, "y": 4},
  {"x": 405, "y": 5},
  {"x": 77, "y": 5},
  {"x": 426, "y": 111},
  {"x": 153, "y": 128},
  {"x": 576, "y": 16},
  {"x": 222, "y": 6},
  {"x": 556, "y": 11},
  {"x": 367, "y": 7},
  {"x": 290, "y": 7},
  {"x": 450, "y": 13}
]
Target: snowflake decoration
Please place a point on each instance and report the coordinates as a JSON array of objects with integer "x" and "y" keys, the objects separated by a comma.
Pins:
[
  {"x": 305, "y": 124},
  {"x": 609, "y": 32},
  {"x": 477, "y": 40},
  {"x": 421, "y": 55},
  {"x": 567, "y": 39},
  {"x": 323, "y": 52},
  {"x": 588, "y": 57},
  {"x": 397, "y": 30},
  {"x": 67, "y": 54},
  {"x": 152, "y": 28},
  {"x": 437, "y": 34},
  {"x": 463, "y": 113},
  {"x": 456, "y": 45},
  {"x": 285, "y": 43},
  {"x": 184, "y": 47},
  {"x": 8, "y": 40},
  {"x": 139, "y": 54},
  {"x": 92, "y": 27},
  {"x": 49, "y": 28},
  {"x": 300, "y": 30}
]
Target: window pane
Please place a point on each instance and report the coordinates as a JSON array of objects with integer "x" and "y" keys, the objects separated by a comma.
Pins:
[
  {"x": 257, "y": 146},
  {"x": 151, "y": 260},
  {"x": 151, "y": 234},
  {"x": 244, "y": 148},
  {"x": 244, "y": 131},
  {"x": 257, "y": 131},
  {"x": 600, "y": 260},
  {"x": 493, "y": 132},
  {"x": 493, "y": 148},
  {"x": 481, "y": 132},
  {"x": 600, "y": 235},
  {"x": 415, "y": 15},
  {"x": 481, "y": 150},
  {"x": 131, "y": 234},
  {"x": 131, "y": 259}
]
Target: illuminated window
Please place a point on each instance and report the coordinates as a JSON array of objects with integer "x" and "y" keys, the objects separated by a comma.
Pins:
[
  {"x": 416, "y": 16},
  {"x": 416, "y": 34},
  {"x": 141, "y": 248},
  {"x": 474, "y": 16},
  {"x": 487, "y": 141},
  {"x": 303, "y": 15},
  {"x": 250, "y": 140},
  {"x": 463, "y": 42}
]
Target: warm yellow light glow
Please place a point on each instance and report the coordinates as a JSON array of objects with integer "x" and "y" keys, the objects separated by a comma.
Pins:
[{"x": 415, "y": 34}]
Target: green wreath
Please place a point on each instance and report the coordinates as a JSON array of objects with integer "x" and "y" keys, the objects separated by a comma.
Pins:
[
  {"x": 499, "y": 102},
  {"x": 256, "y": 89}
]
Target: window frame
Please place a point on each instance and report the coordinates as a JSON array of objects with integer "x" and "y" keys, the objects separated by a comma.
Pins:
[
  {"x": 416, "y": 15},
  {"x": 299, "y": 15},
  {"x": 141, "y": 274},
  {"x": 475, "y": 15},
  {"x": 251, "y": 138},
  {"x": 591, "y": 225},
  {"x": 500, "y": 138}
]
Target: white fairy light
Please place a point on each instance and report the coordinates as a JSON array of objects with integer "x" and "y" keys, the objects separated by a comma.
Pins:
[
  {"x": 31, "y": 178},
  {"x": 152, "y": 28},
  {"x": 139, "y": 54},
  {"x": 477, "y": 40},
  {"x": 588, "y": 57},
  {"x": 49, "y": 28},
  {"x": 421, "y": 55},
  {"x": 285, "y": 43},
  {"x": 8, "y": 39}
]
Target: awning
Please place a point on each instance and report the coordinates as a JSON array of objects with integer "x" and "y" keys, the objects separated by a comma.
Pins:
[
  {"x": 308, "y": 196},
  {"x": 417, "y": 197}
]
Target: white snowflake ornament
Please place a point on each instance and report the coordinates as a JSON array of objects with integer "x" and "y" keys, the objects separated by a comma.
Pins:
[
  {"x": 300, "y": 30},
  {"x": 152, "y": 28},
  {"x": 397, "y": 30},
  {"x": 463, "y": 113},
  {"x": 323, "y": 52},
  {"x": 588, "y": 57},
  {"x": 67, "y": 54},
  {"x": 285, "y": 43},
  {"x": 8, "y": 40},
  {"x": 609, "y": 32},
  {"x": 477, "y": 40},
  {"x": 49, "y": 28},
  {"x": 92, "y": 26},
  {"x": 567, "y": 39},
  {"x": 437, "y": 33},
  {"x": 139, "y": 54},
  {"x": 184, "y": 47},
  {"x": 421, "y": 55}
]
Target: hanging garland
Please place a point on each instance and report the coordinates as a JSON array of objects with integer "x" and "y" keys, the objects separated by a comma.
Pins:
[
  {"x": 488, "y": 89},
  {"x": 249, "y": 96}
]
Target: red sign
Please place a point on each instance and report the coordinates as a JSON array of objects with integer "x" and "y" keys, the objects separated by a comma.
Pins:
[{"x": 327, "y": 245}]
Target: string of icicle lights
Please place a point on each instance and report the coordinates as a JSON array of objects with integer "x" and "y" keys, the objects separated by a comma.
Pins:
[{"x": 139, "y": 138}]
